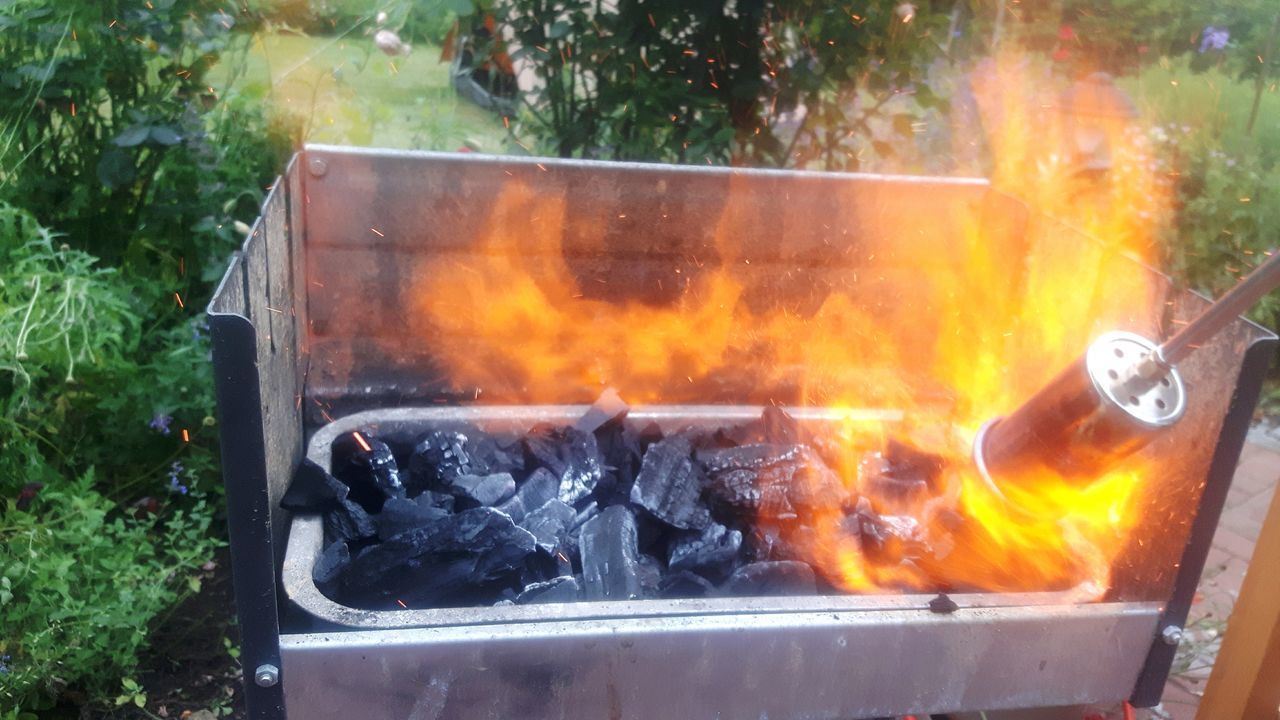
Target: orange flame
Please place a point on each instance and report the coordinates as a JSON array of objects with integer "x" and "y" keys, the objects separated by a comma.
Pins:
[{"x": 521, "y": 325}]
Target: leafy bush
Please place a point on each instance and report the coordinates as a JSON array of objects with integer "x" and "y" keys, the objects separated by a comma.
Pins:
[
  {"x": 79, "y": 577},
  {"x": 109, "y": 496},
  {"x": 1228, "y": 208},
  {"x": 79, "y": 580},
  {"x": 797, "y": 83}
]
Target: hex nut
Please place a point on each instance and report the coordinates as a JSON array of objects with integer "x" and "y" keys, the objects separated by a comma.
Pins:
[
  {"x": 266, "y": 675},
  {"x": 1171, "y": 635}
]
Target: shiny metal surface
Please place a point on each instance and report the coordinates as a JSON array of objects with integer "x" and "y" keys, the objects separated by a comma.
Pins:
[
  {"x": 1154, "y": 401},
  {"x": 832, "y": 664}
]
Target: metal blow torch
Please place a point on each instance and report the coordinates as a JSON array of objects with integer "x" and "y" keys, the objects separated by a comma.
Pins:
[{"x": 1113, "y": 400}]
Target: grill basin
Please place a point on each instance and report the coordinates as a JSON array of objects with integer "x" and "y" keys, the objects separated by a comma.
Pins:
[{"x": 305, "y": 329}]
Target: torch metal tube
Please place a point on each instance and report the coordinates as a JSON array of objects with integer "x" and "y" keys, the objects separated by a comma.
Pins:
[{"x": 1264, "y": 279}]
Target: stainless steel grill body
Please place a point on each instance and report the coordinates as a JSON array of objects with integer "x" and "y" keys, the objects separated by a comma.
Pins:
[{"x": 311, "y": 326}]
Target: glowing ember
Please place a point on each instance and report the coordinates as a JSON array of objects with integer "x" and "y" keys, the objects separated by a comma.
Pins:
[{"x": 522, "y": 326}]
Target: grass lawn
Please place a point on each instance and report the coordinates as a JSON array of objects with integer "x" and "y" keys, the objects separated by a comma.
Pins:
[
  {"x": 1214, "y": 103},
  {"x": 344, "y": 91}
]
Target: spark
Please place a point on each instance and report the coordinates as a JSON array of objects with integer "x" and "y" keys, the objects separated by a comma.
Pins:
[
  {"x": 73, "y": 109},
  {"x": 186, "y": 435},
  {"x": 541, "y": 167},
  {"x": 506, "y": 122},
  {"x": 181, "y": 305},
  {"x": 562, "y": 557},
  {"x": 401, "y": 604},
  {"x": 375, "y": 231},
  {"x": 364, "y": 444},
  {"x": 278, "y": 312},
  {"x": 394, "y": 69}
]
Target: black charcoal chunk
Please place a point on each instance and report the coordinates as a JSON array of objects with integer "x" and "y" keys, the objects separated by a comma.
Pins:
[
  {"x": 746, "y": 457},
  {"x": 763, "y": 542},
  {"x": 901, "y": 473},
  {"x": 586, "y": 513},
  {"x": 650, "y": 573},
  {"x": 438, "y": 458},
  {"x": 380, "y": 463},
  {"x": 368, "y": 468},
  {"x": 570, "y": 454},
  {"x": 609, "y": 406},
  {"x": 400, "y": 515},
  {"x": 621, "y": 449},
  {"x": 774, "y": 426},
  {"x": 455, "y": 560},
  {"x": 887, "y": 538},
  {"x": 490, "y": 490},
  {"x": 783, "y": 577},
  {"x": 685, "y": 584},
  {"x": 943, "y": 605},
  {"x": 313, "y": 490},
  {"x": 565, "y": 588},
  {"x": 330, "y": 566},
  {"x": 490, "y": 455},
  {"x": 776, "y": 481},
  {"x": 533, "y": 493},
  {"x": 713, "y": 551},
  {"x": 549, "y": 524},
  {"x": 430, "y": 498},
  {"x": 610, "y": 559},
  {"x": 669, "y": 485},
  {"x": 808, "y": 482},
  {"x": 348, "y": 521}
]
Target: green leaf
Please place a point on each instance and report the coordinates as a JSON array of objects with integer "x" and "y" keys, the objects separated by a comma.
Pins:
[
  {"x": 558, "y": 30},
  {"x": 165, "y": 135},
  {"x": 461, "y": 7},
  {"x": 193, "y": 583},
  {"x": 135, "y": 135},
  {"x": 116, "y": 169}
]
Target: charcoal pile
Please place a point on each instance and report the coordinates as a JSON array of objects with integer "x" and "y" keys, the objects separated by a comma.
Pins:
[{"x": 604, "y": 509}]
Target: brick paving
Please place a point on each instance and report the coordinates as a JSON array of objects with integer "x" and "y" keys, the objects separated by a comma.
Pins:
[{"x": 1250, "y": 496}]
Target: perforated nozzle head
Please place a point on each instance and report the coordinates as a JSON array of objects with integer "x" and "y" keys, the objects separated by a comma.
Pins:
[{"x": 1125, "y": 369}]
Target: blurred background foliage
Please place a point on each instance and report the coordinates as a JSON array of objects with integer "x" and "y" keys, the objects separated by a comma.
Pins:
[{"x": 138, "y": 137}]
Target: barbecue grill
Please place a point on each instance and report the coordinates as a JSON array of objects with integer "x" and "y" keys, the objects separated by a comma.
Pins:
[{"x": 310, "y": 341}]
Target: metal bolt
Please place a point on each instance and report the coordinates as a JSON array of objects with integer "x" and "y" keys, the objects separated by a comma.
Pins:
[
  {"x": 266, "y": 675},
  {"x": 1171, "y": 635},
  {"x": 318, "y": 167}
]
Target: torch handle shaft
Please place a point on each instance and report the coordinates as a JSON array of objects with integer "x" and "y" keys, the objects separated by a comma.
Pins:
[{"x": 1264, "y": 279}]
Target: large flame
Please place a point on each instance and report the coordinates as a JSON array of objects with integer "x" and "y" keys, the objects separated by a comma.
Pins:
[{"x": 517, "y": 324}]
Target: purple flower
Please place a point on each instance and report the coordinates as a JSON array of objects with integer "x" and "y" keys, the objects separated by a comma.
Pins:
[
  {"x": 4, "y": 669},
  {"x": 1214, "y": 38},
  {"x": 160, "y": 423},
  {"x": 175, "y": 483}
]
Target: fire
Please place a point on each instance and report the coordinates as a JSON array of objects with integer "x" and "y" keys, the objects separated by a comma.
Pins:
[{"x": 525, "y": 324}]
